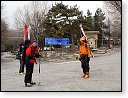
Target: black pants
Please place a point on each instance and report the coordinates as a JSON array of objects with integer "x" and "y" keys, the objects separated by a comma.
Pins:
[
  {"x": 85, "y": 64},
  {"x": 21, "y": 66},
  {"x": 29, "y": 71}
]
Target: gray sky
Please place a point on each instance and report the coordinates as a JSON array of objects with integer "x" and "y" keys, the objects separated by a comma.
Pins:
[{"x": 12, "y": 6}]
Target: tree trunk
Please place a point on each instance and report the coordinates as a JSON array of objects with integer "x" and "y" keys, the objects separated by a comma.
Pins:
[{"x": 109, "y": 34}]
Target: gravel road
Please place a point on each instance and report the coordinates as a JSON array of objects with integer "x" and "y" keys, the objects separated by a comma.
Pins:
[{"x": 105, "y": 72}]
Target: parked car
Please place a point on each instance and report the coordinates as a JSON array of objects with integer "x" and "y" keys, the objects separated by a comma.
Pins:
[{"x": 48, "y": 49}]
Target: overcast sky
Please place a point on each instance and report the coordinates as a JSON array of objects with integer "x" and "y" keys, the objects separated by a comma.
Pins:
[{"x": 12, "y": 6}]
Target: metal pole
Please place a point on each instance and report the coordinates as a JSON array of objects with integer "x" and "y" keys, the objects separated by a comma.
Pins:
[
  {"x": 39, "y": 57},
  {"x": 39, "y": 71}
]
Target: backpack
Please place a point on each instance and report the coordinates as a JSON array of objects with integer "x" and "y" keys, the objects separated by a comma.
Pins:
[
  {"x": 18, "y": 55},
  {"x": 26, "y": 45},
  {"x": 22, "y": 50}
]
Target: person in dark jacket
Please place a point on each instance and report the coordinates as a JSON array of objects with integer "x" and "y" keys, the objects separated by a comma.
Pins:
[
  {"x": 31, "y": 54},
  {"x": 20, "y": 53}
]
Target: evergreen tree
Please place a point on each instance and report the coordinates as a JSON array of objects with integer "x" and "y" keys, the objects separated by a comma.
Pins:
[
  {"x": 99, "y": 24},
  {"x": 62, "y": 21},
  {"x": 89, "y": 20}
]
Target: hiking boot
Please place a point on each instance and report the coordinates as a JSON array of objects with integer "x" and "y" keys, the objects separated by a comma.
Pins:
[
  {"x": 24, "y": 72},
  {"x": 86, "y": 75},
  {"x": 33, "y": 83},
  {"x": 28, "y": 85},
  {"x": 83, "y": 76},
  {"x": 21, "y": 73}
]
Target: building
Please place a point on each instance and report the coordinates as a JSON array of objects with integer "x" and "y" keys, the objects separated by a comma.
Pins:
[{"x": 92, "y": 37}]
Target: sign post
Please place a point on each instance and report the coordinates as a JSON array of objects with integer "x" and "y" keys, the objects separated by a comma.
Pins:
[{"x": 57, "y": 41}]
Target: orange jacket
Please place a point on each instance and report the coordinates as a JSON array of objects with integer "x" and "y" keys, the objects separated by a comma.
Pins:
[
  {"x": 84, "y": 50},
  {"x": 29, "y": 51}
]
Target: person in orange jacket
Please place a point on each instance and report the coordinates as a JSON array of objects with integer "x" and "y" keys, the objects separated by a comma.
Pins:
[
  {"x": 31, "y": 54},
  {"x": 84, "y": 56}
]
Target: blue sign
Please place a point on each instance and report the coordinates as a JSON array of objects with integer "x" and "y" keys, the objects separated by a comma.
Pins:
[{"x": 56, "y": 41}]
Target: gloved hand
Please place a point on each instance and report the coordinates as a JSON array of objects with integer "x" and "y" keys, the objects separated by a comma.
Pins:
[
  {"x": 31, "y": 56},
  {"x": 38, "y": 55},
  {"x": 92, "y": 56},
  {"x": 88, "y": 58},
  {"x": 79, "y": 57}
]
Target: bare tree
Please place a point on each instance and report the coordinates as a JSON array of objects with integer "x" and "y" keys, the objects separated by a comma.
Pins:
[
  {"x": 33, "y": 15},
  {"x": 113, "y": 10},
  {"x": 115, "y": 5},
  {"x": 4, "y": 28}
]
